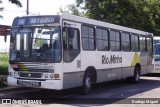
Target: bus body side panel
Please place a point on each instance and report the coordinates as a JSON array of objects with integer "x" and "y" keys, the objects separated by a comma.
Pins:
[
  {"x": 127, "y": 69},
  {"x": 72, "y": 79},
  {"x": 116, "y": 64},
  {"x": 143, "y": 62},
  {"x": 151, "y": 65},
  {"x": 101, "y": 61}
]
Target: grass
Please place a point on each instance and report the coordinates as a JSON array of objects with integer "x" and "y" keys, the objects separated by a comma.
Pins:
[{"x": 4, "y": 64}]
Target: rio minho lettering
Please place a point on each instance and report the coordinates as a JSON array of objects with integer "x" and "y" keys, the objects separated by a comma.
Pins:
[{"x": 112, "y": 60}]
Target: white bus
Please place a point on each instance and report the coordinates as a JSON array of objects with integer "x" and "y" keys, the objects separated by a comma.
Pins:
[
  {"x": 66, "y": 51},
  {"x": 156, "y": 54}
]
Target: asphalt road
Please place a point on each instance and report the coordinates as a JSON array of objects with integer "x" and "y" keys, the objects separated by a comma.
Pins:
[{"x": 117, "y": 93}]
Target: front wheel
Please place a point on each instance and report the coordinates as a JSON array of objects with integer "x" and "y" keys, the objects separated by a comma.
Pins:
[{"x": 87, "y": 83}]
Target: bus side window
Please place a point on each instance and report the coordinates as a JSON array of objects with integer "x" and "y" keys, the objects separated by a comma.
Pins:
[
  {"x": 149, "y": 44},
  {"x": 70, "y": 43},
  {"x": 88, "y": 38},
  {"x": 114, "y": 40},
  {"x": 134, "y": 43},
  {"x": 125, "y": 38},
  {"x": 142, "y": 42}
]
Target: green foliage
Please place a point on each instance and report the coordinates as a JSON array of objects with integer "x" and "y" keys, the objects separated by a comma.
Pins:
[
  {"x": 4, "y": 64},
  {"x": 72, "y": 9},
  {"x": 138, "y": 14},
  {"x": 16, "y": 2}
]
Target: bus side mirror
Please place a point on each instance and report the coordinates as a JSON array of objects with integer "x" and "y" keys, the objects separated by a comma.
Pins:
[{"x": 5, "y": 38}]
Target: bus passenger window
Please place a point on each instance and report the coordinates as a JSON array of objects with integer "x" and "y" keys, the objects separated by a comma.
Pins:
[
  {"x": 142, "y": 42},
  {"x": 125, "y": 42},
  {"x": 149, "y": 44},
  {"x": 115, "y": 40},
  {"x": 134, "y": 43},
  {"x": 102, "y": 39},
  {"x": 88, "y": 38}
]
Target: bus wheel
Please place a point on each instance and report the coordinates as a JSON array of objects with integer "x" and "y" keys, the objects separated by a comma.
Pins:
[
  {"x": 87, "y": 83},
  {"x": 136, "y": 75}
]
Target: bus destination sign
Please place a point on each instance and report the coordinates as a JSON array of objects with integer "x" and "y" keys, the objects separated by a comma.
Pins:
[{"x": 35, "y": 20}]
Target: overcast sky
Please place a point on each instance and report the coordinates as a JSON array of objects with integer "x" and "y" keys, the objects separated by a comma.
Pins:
[{"x": 36, "y": 7}]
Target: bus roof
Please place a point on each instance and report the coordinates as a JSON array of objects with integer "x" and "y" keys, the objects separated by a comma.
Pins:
[
  {"x": 103, "y": 24},
  {"x": 50, "y": 19}
]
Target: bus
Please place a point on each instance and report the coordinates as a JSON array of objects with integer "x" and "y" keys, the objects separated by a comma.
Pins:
[
  {"x": 66, "y": 51},
  {"x": 156, "y": 54}
]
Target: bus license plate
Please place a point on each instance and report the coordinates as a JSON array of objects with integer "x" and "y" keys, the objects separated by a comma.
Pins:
[{"x": 28, "y": 83}]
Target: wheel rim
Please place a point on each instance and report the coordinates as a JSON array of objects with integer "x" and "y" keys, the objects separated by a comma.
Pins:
[
  {"x": 88, "y": 84},
  {"x": 137, "y": 76}
]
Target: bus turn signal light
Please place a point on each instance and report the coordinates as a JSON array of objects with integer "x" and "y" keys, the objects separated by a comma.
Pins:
[
  {"x": 56, "y": 75},
  {"x": 14, "y": 65}
]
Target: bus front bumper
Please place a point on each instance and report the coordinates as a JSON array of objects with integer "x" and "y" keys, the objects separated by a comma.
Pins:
[{"x": 47, "y": 84}]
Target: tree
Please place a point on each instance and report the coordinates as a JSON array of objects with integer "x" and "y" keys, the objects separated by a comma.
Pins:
[
  {"x": 138, "y": 14},
  {"x": 71, "y": 9},
  {"x": 16, "y": 2}
]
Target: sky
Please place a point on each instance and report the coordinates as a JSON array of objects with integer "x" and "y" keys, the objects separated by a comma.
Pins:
[{"x": 36, "y": 7}]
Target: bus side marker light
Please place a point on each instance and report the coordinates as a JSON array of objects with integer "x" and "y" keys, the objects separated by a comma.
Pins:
[{"x": 14, "y": 65}]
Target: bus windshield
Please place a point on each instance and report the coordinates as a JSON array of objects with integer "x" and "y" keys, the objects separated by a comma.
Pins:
[{"x": 36, "y": 44}]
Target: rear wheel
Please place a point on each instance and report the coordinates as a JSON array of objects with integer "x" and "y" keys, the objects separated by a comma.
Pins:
[{"x": 136, "y": 77}]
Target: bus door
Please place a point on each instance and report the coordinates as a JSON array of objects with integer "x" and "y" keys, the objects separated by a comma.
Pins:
[{"x": 71, "y": 55}]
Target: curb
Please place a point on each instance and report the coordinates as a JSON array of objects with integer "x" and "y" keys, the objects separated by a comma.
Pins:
[
  {"x": 3, "y": 78},
  {"x": 8, "y": 88}
]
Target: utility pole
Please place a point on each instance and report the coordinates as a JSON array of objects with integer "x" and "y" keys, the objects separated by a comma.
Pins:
[{"x": 27, "y": 12}]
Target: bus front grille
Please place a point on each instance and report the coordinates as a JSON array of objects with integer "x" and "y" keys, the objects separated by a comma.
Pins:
[{"x": 30, "y": 75}]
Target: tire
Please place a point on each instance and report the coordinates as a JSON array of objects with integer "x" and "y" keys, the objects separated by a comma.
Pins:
[
  {"x": 87, "y": 83},
  {"x": 136, "y": 77}
]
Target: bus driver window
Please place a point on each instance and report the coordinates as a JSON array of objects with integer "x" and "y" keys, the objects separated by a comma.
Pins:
[{"x": 70, "y": 43}]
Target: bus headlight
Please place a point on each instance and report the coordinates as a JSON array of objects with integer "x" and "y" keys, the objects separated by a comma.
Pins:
[
  {"x": 15, "y": 73},
  {"x": 52, "y": 76},
  {"x": 46, "y": 75},
  {"x": 10, "y": 73}
]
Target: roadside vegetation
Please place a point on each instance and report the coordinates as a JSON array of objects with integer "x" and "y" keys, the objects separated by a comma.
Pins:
[
  {"x": 139, "y": 14},
  {"x": 4, "y": 64}
]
